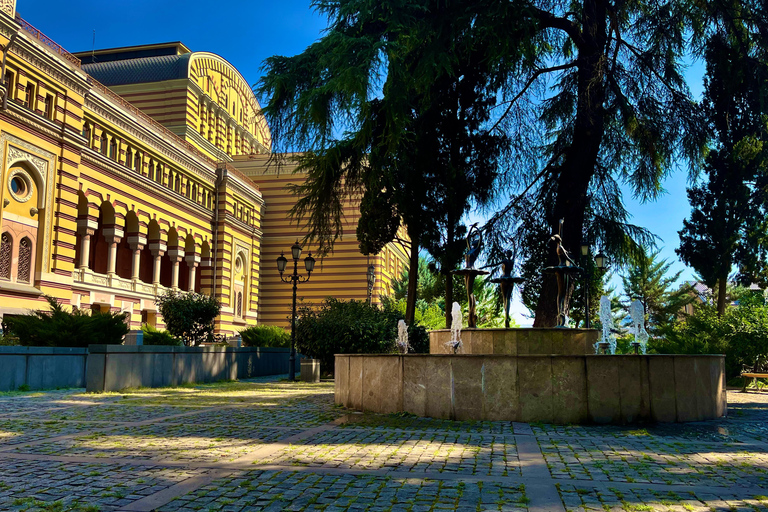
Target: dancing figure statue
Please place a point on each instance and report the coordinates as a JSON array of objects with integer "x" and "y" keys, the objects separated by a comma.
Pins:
[
  {"x": 474, "y": 244},
  {"x": 507, "y": 283},
  {"x": 637, "y": 314},
  {"x": 565, "y": 267},
  {"x": 606, "y": 320}
]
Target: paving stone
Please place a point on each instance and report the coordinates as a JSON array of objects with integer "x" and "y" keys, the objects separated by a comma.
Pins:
[{"x": 359, "y": 465}]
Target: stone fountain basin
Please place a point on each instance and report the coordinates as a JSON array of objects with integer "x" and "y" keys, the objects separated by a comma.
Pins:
[
  {"x": 563, "y": 389},
  {"x": 522, "y": 341}
]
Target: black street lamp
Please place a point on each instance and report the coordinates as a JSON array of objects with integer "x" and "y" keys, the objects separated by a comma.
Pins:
[
  {"x": 371, "y": 281},
  {"x": 587, "y": 279},
  {"x": 295, "y": 278},
  {"x": 601, "y": 262}
]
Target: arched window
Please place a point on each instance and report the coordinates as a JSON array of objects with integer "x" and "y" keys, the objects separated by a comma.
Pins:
[
  {"x": 194, "y": 192},
  {"x": 113, "y": 149},
  {"x": 129, "y": 157},
  {"x": 6, "y": 255},
  {"x": 137, "y": 163},
  {"x": 25, "y": 260},
  {"x": 87, "y": 132},
  {"x": 103, "y": 148},
  {"x": 159, "y": 172},
  {"x": 239, "y": 311},
  {"x": 177, "y": 184}
]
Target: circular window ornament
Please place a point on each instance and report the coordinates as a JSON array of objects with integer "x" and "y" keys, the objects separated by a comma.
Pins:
[
  {"x": 20, "y": 185},
  {"x": 238, "y": 265}
]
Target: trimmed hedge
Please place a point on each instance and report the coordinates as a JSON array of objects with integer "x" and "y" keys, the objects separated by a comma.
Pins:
[
  {"x": 153, "y": 336},
  {"x": 351, "y": 327},
  {"x": 60, "y": 328},
  {"x": 265, "y": 336}
]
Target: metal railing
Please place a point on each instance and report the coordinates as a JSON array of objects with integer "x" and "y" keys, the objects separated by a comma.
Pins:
[{"x": 47, "y": 41}]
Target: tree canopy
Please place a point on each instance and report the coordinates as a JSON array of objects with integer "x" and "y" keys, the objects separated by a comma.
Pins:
[
  {"x": 727, "y": 225},
  {"x": 424, "y": 107},
  {"x": 409, "y": 83}
]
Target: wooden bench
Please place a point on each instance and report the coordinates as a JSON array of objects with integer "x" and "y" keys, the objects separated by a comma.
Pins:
[
  {"x": 753, "y": 376},
  {"x": 758, "y": 371}
]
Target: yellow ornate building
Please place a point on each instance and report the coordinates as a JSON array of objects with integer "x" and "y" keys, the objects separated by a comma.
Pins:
[{"x": 129, "y": 171}]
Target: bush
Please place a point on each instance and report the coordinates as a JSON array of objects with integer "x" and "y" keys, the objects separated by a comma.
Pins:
[
  {"x": 265, "y": 336},
  {"x": 60, "y": 328},
  {"x": 353, "y": 327},
  {"x": 154, "y": 336},
  {"x": 189, "y": 316},
  {"x": 741, "y": 334}
]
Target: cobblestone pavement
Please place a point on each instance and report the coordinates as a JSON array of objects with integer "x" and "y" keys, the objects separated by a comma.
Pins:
[{"x": 273, "y": 445}]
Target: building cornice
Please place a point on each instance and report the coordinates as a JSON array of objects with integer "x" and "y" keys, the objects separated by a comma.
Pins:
[
  {"x": 142, "y": 182},
  {"x": 115, "y": 114},
  {"x": 244, "y": 189},
  {"x": 40, "y": 57}
]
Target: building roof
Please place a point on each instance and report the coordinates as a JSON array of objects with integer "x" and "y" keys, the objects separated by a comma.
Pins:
[
  {"x": 132, "y": 52},
  {"x": 138, "y": 71}
]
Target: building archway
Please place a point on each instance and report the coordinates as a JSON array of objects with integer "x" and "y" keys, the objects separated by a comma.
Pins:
[{"x": 99, "y": 246}]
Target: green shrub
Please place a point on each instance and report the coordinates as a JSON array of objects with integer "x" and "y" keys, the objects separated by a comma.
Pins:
[
  {"x": 189, "y": 316},
  {"x": 154, "y": 336},
  {"x": 60, "y": 328},
  {"x": 350, "y": 327},
  {"x": 265, "y": 336},
  {"x": 6, "y": 339},
  {"x": 741, "y": 333}
]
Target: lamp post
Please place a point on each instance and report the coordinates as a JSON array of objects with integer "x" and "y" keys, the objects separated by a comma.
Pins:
[
  {"x": 371, "y": 281},
  {"x": 587, "y": 279},
  {"x": 601, "y": 262},
  {"x": 295, "y": 278}
]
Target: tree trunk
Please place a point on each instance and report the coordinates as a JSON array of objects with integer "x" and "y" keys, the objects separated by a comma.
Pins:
[
  {"x": 721, "y": 285},
  {"x": 446, "y": 270},
  {"x": 448, "y": 299},
  {"x": 413, "y": 281},
  {"x": 581, "y": 157}
]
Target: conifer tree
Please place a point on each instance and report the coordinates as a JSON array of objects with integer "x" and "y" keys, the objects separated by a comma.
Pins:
[
  {"x": 651, "y": 283},
  {"x": 727, "y": 225}
]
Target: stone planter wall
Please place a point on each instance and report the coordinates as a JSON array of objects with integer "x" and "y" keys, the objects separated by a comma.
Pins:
[
  {"x": 42, "y": 367},
  {"x": 517, "y": 342},
  {"x": 115, "y": 367},
  {"x": 551, "y": 389}
]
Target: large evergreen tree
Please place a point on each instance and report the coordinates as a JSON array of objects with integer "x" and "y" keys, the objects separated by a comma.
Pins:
[
  {"x": 615, "y": 110},
  {"x": 410, "y": 83},
  {"x": 727, "y": 225}
]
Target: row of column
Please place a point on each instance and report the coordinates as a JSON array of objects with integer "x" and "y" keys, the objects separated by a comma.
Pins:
[
  {"x": 212, "y": 116},
  {"x": 137, "y": 243}
]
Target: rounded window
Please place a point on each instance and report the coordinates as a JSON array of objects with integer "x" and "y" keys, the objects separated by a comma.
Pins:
[
  {"x": 20, "y": 184},
  {"x": 238, "y": 265}
]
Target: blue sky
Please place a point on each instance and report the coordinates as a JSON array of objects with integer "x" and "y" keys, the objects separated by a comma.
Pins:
[{"x": 245, "y": 33}]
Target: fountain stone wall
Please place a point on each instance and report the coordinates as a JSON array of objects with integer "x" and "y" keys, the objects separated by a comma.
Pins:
[
  {"x": 514, "y": 342},
  {"x": 575, "y": 389}
]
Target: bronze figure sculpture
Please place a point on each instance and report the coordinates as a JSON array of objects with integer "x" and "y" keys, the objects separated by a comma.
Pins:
[
  {"x": 507, "y": 283},
  {"x": 563, "y": 271},
  {"x": 474, "y": 245}
]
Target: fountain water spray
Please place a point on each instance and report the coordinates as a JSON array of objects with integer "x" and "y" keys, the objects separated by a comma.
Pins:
[
  {"x": 606, "y": 319},
  {"x": 456, "y": 323},
  {"x": 637, "y": 314},
  {"x": 402, "y": 337}
]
